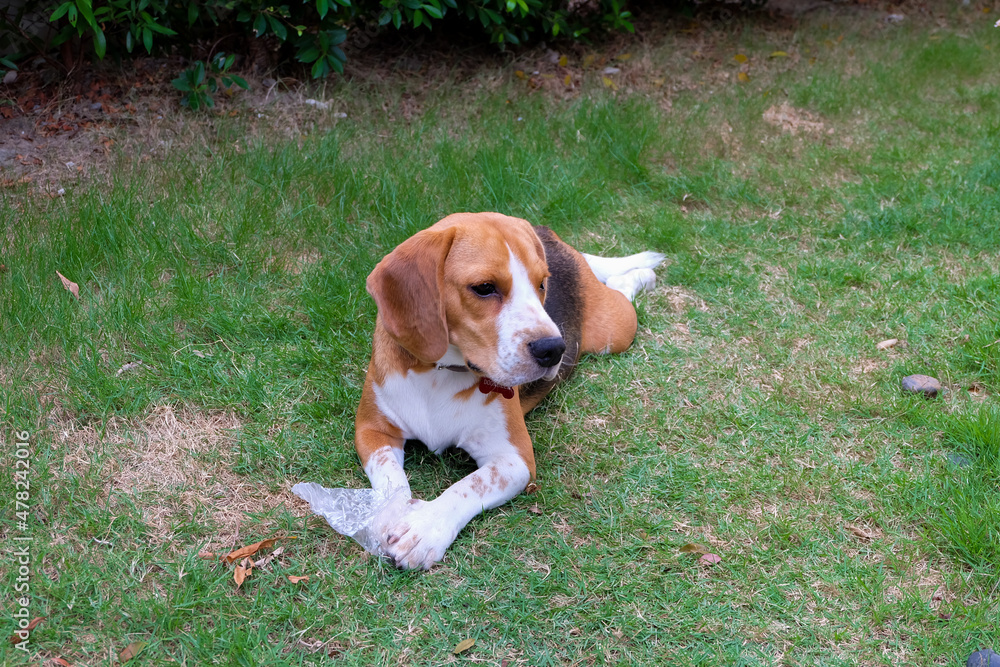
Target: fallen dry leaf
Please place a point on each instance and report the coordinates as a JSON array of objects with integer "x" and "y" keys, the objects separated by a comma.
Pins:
[
  {"x": 710, "y": 559},
  {"x": 266, "y": 560},
  {"x": 693, "y": 549},
  {"x": 131, "y": 651},
  {"x": 251, "y": 549},
  {"x": 10, "y": 182},
  {"x": 242, "y": 571},
  {"x": 531, "y": 488},
  {"x": 16, "y": 638},
  {"x": 535, "y": 509},
  {"x": 73, "y": 288},
  {"x": 464, "y": 646},
  {"x": 295, "y": 580},
  {"x": 860, "y": 532},
  {"x": 61, "y": 661},
  {"x": 886, "y": 344},
  {"x": 208, "y": 555},
  {"x": 779, "y": 54},
  {"x": 743, "y": 76},
  {"x": 740, "y": 58},
  {"x": 563, "y": 61}
]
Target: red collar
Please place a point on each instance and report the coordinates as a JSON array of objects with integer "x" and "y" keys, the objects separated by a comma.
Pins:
[{"x": 486, "y": 385}]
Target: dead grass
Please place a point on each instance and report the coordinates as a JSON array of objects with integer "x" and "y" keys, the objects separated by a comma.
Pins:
[
  {"x": 793, "y": 121},
  {"x": 680, "y": 299},
  {"x": 177, "y": 466}
]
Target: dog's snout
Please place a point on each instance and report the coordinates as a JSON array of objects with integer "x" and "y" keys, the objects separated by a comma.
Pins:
[{"x": 547, "y": 351}]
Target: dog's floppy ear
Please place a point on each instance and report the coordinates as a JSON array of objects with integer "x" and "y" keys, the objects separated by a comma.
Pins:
[{"x": 406, "y": 286}]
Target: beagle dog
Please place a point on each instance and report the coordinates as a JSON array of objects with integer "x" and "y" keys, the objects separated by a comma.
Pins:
[{"x": 479, "y": 316}]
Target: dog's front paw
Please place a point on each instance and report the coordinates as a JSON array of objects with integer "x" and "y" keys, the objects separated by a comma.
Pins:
[{"x": 419, "y": 538}]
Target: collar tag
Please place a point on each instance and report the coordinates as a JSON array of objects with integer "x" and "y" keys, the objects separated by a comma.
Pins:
[{"x": 487, "y": 386}]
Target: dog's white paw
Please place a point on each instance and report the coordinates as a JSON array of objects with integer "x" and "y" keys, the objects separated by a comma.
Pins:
[{"x": 420, "y": 538}]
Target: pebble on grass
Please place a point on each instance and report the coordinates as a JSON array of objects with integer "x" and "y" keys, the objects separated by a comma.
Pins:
[
  {"x": 921, "y": 384},
  {"x": 984, "y": 658}
]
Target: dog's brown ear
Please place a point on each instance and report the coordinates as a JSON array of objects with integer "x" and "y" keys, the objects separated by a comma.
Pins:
[{"x": 406, "y": 286}]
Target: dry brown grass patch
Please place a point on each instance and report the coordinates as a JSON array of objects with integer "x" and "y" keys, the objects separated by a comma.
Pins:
[
  {"x": 792, "y": 120},
  {"x": 681, "y": 299},
  {"x": 178, "y": 467}
]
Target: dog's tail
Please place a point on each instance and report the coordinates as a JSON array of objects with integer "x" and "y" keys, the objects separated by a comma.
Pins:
[{"x": 629, "y": 275}]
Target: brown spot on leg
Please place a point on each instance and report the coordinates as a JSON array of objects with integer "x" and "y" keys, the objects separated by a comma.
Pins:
[
  {"x": 479, "y": 486},
  {"x": 497, "y": 479}
]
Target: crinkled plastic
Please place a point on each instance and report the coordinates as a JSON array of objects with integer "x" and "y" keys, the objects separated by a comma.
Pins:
[{"x": 361, "y": 514}]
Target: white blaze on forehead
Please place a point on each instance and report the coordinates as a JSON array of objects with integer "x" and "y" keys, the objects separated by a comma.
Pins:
[{"x": 522, "y": 320}]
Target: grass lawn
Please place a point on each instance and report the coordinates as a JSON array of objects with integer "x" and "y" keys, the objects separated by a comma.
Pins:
[{"x": 843, "y": 191}]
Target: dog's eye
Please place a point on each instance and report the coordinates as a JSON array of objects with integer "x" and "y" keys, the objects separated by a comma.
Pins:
[{"x": 484, "y": 289}]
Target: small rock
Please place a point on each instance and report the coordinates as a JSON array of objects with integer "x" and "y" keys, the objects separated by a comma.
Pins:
[
  {"x": 552, "y": 56},
  {"x": 887, "y": 344},
  {"x": 10, "y": 77},
  {"x": 984, "y": 658},
  {"x": 611, "y": 70},
  {"x": 70, "y": 164},
  {"x": 95, "y": 106},
  {"x": 340, "y": 114},
  {"x": 316, "y": 103},
  {"x": 267, "y": 82},
  {"x": 921, "y": 384},
  {"x": 895, "y": 18}
]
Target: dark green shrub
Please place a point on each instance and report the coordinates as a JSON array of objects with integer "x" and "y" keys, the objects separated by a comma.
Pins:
[
  {"x": 314, "y": 29},
  {"x": 199, "y": 83}
]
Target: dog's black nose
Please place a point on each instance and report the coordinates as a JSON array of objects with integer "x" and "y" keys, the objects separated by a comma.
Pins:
[{"x": 547, "y": 351}]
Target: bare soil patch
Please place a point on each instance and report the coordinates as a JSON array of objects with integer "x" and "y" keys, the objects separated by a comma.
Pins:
[{"x": 178, "y": 467}]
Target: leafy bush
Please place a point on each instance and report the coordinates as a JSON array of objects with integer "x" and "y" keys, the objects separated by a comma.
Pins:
[
  {"x": 198, "y": 86},
  {"x": 314, "y": 29}
]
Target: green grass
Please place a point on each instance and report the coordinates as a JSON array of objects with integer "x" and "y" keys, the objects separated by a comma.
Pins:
[{"x": 753, "y": 416}]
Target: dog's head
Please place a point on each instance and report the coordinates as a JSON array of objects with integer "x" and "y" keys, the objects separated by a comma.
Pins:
[{"x": 473, "y": 285}]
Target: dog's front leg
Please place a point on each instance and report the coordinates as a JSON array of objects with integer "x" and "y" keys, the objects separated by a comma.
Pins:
[
  {"x": 420, "y": 538},
  {"x": 379, "y": 444}
]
